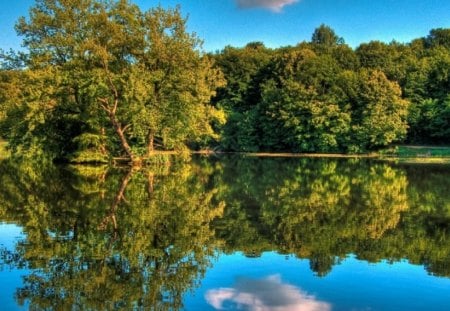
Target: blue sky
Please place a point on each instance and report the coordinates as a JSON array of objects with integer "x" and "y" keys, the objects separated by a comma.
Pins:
[{"x": 281, "y": 22}]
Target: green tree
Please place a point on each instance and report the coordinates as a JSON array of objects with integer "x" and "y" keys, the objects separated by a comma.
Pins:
[
  {"x": 242, "y": 69},
  {"x": 302, "y": 108},
  {"x": 438, "y": 37},
  {"x": 110, "y": 75},
  {"x": 326, "y": 37},
  {"x": 297, "y": 119},
  {"x": 427, "y": 85},
  {"x": 378, "y": 111}
]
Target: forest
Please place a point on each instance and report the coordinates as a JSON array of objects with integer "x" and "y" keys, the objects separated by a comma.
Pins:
[{"x": 103, "y": 79}]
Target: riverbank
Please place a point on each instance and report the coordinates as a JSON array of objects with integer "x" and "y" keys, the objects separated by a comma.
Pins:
[
  {"x": 417, "y": 154},
  {"x": 310, "y": 155},
  {"x": 404, "y": 154},
  {"x": 406, "y": 151}
]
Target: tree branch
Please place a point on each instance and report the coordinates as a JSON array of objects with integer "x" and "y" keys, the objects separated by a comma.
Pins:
[
  {"x": 125, "y": 128},
  {"x": 104, "y": 104}
]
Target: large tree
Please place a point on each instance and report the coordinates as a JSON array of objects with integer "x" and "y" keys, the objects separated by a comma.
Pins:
[{"x": 112, "y": 79}]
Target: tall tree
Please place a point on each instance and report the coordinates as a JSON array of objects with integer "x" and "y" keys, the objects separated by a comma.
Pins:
[
  {"x": 326, "y": 37},
  {"x": 378, "y": 113},
  {"x": 118, "y": 75},
  {"x": 243, "y": 70}
]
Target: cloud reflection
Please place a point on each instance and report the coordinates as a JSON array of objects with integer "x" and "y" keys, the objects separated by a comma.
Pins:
[
  {"x": 268, "y": 294},
  {"x": 274, "y": 5}
]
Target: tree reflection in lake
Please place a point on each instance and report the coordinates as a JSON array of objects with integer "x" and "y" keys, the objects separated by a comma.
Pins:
[
  {"x": 103, "y": 238},
  {"x": 324, "y": 209}
]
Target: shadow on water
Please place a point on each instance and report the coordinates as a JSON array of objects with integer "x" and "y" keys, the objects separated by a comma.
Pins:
[{"x": 105, "y": 238}]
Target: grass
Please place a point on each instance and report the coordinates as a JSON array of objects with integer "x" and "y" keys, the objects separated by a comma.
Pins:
[
  {"x": 308, "y": 155},
  {"x": 418, "y": 152},
  {"x": 420, "y": 160}
]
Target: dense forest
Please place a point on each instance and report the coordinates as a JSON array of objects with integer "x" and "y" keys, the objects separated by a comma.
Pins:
[
  {"x": 324, "y": 96},
  {"x": 103, "y": 79}
]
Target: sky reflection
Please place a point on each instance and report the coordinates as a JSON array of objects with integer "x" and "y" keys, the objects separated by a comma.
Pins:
[{"x": 267, "y": 294}]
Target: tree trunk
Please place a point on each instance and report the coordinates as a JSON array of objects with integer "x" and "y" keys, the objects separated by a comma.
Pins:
[
  {"x": 111, "y": 217},
  {"x": 150, "y": 144},
  {"x": 123, "y": 139},
  {"x": 151, "y": 179}
]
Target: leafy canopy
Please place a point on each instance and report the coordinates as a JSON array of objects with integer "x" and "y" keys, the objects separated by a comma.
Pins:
[{"x": 106, "y": 78}]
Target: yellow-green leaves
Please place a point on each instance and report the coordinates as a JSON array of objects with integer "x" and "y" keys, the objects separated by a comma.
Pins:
[{"x": 131, "y": 77}]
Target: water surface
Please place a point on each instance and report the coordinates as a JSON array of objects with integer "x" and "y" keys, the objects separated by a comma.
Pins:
[{"x": 228, "y": 233}]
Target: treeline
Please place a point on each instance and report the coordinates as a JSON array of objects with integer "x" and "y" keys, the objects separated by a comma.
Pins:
[
  {"x": 103, "y": 79},
  {"x": 323, "y": 96}
]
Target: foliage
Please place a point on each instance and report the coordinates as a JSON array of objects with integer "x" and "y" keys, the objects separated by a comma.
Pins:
[
  {"x": 323, "y": 96},
  {"x": 316, "y": 97},
  {"x": 239, "y": 97},
  {"x": 104, "y": 78}
]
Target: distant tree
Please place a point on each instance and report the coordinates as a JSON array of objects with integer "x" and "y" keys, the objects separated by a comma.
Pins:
[
  {"x": 427, "y": 87},
  {"x": 394, "y": 59},
  {"x": 345, "y": 57},
  {"x": 325, "y": 36},
  {"x": 438, "y": 37},
  {"x": 299, "y": 110}
]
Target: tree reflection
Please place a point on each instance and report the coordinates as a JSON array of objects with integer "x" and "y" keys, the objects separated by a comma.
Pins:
[
  {"x": 107, "y": 238},
  {"x": 325, "y": 209},
  {"x": 91, "y": 247}
]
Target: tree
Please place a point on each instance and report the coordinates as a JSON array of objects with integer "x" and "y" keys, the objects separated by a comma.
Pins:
[
  {"x": 378, "y": 111},
  {"x": 438, "y": 37},
  {"x": 242, "y": 69},
  {"x": 300, "y": 110},
  {"x": 325, "y": 36},
  {"x": 427, "y": 87},
  {"x": 297, "y": 119},
  {"x": 112, "y": 75}
]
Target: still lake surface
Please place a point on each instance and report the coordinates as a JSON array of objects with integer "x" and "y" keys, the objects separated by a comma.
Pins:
[{"x": 226, "y": 233}]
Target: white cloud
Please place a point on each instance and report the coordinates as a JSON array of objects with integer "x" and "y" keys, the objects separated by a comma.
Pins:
[
  {"x": 274, "y": 5},
  {"x": 268, "y": 294}
]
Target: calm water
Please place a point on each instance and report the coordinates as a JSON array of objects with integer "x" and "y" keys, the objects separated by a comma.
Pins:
[{"x": 227, "y": 233}]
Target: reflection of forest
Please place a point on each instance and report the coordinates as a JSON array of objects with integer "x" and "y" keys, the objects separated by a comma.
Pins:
[
  {"x": 111, "y": 238},
  {"x": 324, "y": 209}
]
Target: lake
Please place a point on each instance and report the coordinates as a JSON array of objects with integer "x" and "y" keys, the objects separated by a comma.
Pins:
[{"x": 226, "y": 233}]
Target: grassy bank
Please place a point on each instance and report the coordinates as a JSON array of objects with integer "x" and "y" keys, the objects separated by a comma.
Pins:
[
  {"x": 308, "y": 155},
  {"x": 410, "y": 154},
  {"x": 417, "y": 154}
]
